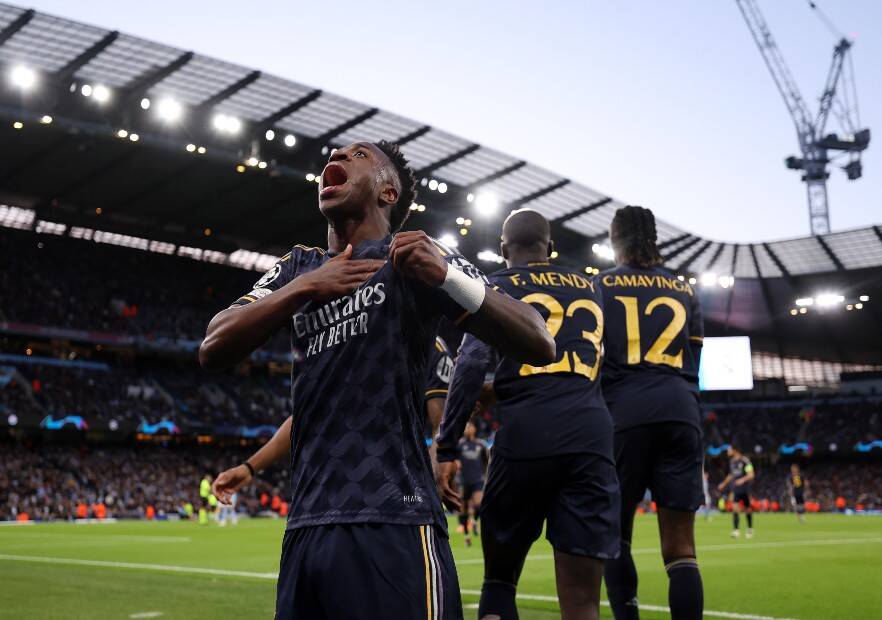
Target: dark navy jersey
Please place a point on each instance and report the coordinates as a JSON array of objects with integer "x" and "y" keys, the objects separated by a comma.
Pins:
[
  {"x": 547, "y": 410},
  {"x": 473, "y": 460},
  {"x": 739, "y": 467},
  {"x": 652, "y": 345},
  {"x": 359, "y": 454},
  {"x": 439, "y": 370}
]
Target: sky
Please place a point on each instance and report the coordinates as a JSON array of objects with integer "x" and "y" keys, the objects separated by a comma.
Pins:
[{"x": 664, "y": 104}]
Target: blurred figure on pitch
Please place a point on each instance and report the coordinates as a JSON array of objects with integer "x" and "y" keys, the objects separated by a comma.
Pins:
[
  {"x": 204, "y": 495},
  {"x": 741, "y": 474},
  {"x": 708, "y": 502},
  {"x": 473, "y": 458},
  {"x": 227, "y": 512},
  {"x": 797, "y": 485}
]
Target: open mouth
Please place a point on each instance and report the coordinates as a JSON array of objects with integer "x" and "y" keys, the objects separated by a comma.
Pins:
[{"x": 333, "y": 176}]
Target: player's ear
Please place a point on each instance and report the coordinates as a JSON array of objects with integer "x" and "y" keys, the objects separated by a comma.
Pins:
[
  {"x": 503, "y": 249},
  {"x": 388, "y": 195}
]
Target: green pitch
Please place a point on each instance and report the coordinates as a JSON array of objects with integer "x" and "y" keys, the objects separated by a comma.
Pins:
[{"x": 828, "y": 568}]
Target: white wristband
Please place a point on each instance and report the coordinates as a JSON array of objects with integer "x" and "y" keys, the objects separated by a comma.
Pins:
[{"x": 467, "y": 292}]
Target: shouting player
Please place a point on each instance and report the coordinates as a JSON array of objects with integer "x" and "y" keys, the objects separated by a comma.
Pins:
[
  {"x": 652, "y": 344},
  {"x": 798, "y": 486},
  {"x": 366, "y": 535},
  {"x": 552, "y": 456},
  {"x": 741, "y": 474},
  {"x": 472, "y": 456}
]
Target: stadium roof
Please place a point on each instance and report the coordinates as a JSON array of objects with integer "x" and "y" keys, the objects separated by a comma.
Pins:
[{"x": 183, "y": 178}]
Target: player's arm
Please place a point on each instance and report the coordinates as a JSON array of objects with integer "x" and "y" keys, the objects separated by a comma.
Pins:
[
  {"x": 472, "y": 363},
  {"x": 696, "y": 330},
  {"x": 513, "y": 328},
  {"x": 724, "y": 483},
  {"x": 750, "y": 474},
  {"x": 231, "y": 480},
  {"x": 236, "y": 332}
]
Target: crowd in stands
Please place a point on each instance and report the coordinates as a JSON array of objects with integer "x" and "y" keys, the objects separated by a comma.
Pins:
[
  {"x": 826, "y": 426},
  {"x": 183, "y": 394},
  {"x": 49, "y": 482},
  {"x": 74, "y": 284}
]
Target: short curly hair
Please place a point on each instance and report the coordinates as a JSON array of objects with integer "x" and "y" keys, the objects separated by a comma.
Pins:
[{"x": 407, "y": 178}]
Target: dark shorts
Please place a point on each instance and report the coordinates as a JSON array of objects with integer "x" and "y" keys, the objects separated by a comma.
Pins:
[
  {"x": 470, "y": 488},
  {"x": 665, "y": 458},
  {"x": 577, "y": 494},
  {"x": 798, "y": 497},
  {"x": 741, "y": 496},
  {"x": 367, "y": 572}
]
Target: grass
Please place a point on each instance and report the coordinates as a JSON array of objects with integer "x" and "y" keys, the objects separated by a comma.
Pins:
[{"x": 827, "y": 568}]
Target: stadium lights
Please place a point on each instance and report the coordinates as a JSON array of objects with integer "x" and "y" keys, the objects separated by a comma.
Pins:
[
  {"x": 470, "y": 198},
  {"x": 460, "y": 220},
  {"x": 442, "y": 188},
  {"x": 270, "y": 135},
  {"x": 449, "y": 240},
  {"x": 201, "y": 150},
  {"x": 554, "y": 254},
  {"x": 603, "y": 251},
  {"x": 708, "y": 279},
  {"x": 692, "y": 281},
  {"x": 433, "y": 185},
  {"x": 23, "y": 77},
  {"x": 726, "y": 281},
  {"x": 261, "y": 164},
  {"x": 46, "y": 119},
  {"x": 145, "y": 103},
  {"x": 226, "y": 124},
  {"x": 311, "y": 177},
  {"x": 122, "y": 133},
  {"x": 134, "y": 137},
  {"x": 86, "y": 90},
  {"x": 486, "y": 203},
  {"x": 290, "y": 140},
  {"x": 829, "y": 299},
  {"x": 101, "y": 93},
  {"x": 864, "y": 298},
  {"x": 859, "y": 306},
  {"x": 253, "y": 161},
  {"x": 17, "y": 125},
  {"x": 489, "y": 256},
  {"x": 804, "y": 301},
  {"x": 191, "y": 147},
  {"x": 168, "y": 109}
]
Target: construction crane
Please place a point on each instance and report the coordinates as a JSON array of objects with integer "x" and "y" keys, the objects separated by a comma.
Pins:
[{"x": 839, "y": 96}]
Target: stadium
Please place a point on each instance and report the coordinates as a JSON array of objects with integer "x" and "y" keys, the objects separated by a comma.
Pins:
[{"x": 143, "y": 188}]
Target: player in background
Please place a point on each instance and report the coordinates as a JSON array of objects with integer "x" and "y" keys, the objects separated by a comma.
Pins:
[
  {"x": 741, "y": 474},
  {"x": 204, "y": 494},
  {"x": 227, "y": 511},
  {"x": 366, "y": 535},
  {"x": 798, "y": 487},
  {"x": 652, "y": 345},
  {"x": 473, "y": 457},
  {"x": 708, "y": 502},
  {"x": 552, "y": 455},
  {"x": 438, "y": 372}
]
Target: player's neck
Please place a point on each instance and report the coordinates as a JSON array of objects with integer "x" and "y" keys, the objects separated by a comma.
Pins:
[
  {"x": 351, "y": 230},
  {"x": 518, "y": 258}
]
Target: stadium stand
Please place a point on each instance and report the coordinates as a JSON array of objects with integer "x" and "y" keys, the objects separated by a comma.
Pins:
[{"x": 120, "y": 236}]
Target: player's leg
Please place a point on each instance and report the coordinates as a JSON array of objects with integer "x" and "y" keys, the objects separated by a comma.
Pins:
[
  {"x": 512, "y": 511},
  {"x": 749, "y": 512},
  {"x": 677, "y": 489},
  {"x": 467, "y": 493},
  {"x": 578, "y": 585},
  {"x": 736, "y": 515},
  {"x": 583, "y": 527},
  {"x": 475, "y": 511},
  {"x": 632, "y": 449}
]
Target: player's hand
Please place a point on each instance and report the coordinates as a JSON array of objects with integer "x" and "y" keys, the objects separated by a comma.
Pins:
[
  {"x": 414, "y": 255},
  {"x": 230, "y": 481},
  {"x": 339, "y": 276},
  {"x": 720, "y": 487},
  {"x": 444, "y": 478}
]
